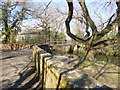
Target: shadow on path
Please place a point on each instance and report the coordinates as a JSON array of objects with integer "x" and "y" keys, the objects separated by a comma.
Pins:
[
  {"x": 28, "y": 79},
  {"x": 13, "y": 56}
]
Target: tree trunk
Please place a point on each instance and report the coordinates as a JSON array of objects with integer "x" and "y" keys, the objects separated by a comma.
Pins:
[
  {"x": 118, "y": 21},
  {"x": 7, "y": 38},
  {"x": 90, "y": 55},
  {"x": 71, "y": 50},
  {"x": 5, "y": 23}
]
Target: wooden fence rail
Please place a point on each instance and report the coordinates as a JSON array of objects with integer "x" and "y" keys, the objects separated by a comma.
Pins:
[{"x": 14, "y": 46}]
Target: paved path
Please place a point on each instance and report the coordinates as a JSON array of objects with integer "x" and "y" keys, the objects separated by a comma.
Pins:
[{"x": 12, "y": 66}]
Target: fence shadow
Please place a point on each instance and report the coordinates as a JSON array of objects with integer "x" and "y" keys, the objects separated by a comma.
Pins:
[
  {"x": 28, "y": 79},
  {"x": 85, "y": 80}
]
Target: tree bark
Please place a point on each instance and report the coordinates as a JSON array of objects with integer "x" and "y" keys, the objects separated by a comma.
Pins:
[
  {"x": 5, "y": 23},
  {"x": 67, "y": 22},
  {"x": 87, "y": 17},
  {"x": 118, "y": 21},
  {"x": 71, "y": 50}
]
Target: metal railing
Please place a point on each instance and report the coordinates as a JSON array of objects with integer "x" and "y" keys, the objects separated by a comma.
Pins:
[{"x": 59, "y": 42}]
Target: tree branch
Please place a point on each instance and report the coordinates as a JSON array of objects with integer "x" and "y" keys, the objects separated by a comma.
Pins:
[
  {"x": 14, "y": 23},
  {"x": 20, "y": 18},
  {"x": 108, "y": 28},
  {"x": 67, "y": 22},
  {"x": 48, "y": 5},
  {"x": 102, "y": 42},
  {"x": 87, "y": 17}
]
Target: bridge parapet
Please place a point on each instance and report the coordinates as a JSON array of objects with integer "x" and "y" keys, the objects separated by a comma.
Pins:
[{"x": 57, "y": 71}]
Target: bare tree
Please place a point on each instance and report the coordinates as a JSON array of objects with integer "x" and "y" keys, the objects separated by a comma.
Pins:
[
  {"x": 95, "y": 39},
  {"x": 13, "y": 13},
  {"x": 49, "y": 20}
]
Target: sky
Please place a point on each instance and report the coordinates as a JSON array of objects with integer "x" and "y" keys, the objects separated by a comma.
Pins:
[
  {"x": 90, "y": 5},
  {"x": 91, "y": 8}
]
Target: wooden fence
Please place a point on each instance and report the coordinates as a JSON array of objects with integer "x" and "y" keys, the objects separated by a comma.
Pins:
[{"x": 14, "y": 46}]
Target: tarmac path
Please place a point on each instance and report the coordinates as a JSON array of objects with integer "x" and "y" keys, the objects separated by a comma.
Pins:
[{"x": 14, "y": 68}]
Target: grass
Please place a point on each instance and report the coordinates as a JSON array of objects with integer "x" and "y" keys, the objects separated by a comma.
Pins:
[{"x": 107, "y": 75}]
